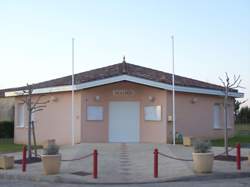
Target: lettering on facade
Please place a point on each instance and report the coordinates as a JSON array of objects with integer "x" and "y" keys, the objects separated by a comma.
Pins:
[{"x": 123, "y": 92}]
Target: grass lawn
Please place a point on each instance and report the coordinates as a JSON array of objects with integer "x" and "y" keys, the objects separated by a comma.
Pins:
[
  {"x": 7, "y": 146},
  {"x": 232, "y": 141},
  {"x": 242, "y": 136}
]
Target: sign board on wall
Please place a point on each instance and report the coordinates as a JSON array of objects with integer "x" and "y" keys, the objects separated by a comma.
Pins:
[
  {"x": 152, "y": 113},
  {"x": 95, "y": 113},
  {"x": 123, "y": 92}
]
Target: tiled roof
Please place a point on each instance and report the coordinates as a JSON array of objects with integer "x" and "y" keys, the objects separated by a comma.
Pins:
[{"x": 121, "y": 69}]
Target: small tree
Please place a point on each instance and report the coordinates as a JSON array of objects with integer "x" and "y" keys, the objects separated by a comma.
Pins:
[
  {"x": 228, "y": 86},
  {"x": 237, "y": 109},
  {"x": 244, "y": 115},
  {"x": 32, "y": 107}
]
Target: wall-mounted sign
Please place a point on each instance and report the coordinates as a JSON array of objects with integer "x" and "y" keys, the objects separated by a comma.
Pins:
[
  {"x": 123, "y": 92},
  {"x": 152, "y": 113},
  {"x": 95, "y": 113}
]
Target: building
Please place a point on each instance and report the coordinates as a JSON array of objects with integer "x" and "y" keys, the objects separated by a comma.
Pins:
[
  {"x": 124, "y": 103},
  {"x": 6, "y": 108}
]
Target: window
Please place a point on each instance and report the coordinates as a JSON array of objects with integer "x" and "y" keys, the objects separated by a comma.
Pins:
[
  {"x": 217, "y": 116},
  {"x": 152, "y": 113},
  {"x": 95, "y": 113},
  {"x": 20, "y": 115},
  {"x": 229, "y": 117}
]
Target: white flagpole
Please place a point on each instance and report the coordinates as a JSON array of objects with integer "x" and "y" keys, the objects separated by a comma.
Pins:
[
  {"x": 173, "y": 85},
  {"x": 72, "y": 96}
]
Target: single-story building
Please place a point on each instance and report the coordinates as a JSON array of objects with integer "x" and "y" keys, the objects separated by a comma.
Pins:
[
  {"x": 6, "y": 107},
  {"x": 124, "y": 103}
]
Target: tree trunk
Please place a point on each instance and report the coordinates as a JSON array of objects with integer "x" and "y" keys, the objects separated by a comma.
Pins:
[{"x": 34, "y": 138}]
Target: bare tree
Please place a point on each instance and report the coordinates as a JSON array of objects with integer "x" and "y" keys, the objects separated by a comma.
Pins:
[
  {"x": 228, "y": 85},
  {"x": 237, "y": 105},
  {"x": 33, "y": 106}
]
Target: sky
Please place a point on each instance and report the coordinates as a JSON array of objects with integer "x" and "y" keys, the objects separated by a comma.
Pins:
[{"x": 211, "y": 37}]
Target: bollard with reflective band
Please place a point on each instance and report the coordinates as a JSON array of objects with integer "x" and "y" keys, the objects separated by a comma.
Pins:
[
  {"x": 238, "y": 157},
  {"x": 95, "y": 163},
  {"x": 24, "y": 159},
  {"x": 156, "y": 163}
]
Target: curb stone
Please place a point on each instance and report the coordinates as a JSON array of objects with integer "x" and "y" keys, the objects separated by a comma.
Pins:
[{"x": 62, "y": 179}]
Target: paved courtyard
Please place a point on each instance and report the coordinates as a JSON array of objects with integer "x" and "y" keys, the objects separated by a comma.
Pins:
[{"x": 126, "y": 163}]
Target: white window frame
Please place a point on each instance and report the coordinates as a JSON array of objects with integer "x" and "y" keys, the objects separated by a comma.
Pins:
[
  {"x": 222, "y": 117},
  {"x": 217, "y": 120},
  {"x": 217, "y": 123},
  {"x": 20, "y": 115}
]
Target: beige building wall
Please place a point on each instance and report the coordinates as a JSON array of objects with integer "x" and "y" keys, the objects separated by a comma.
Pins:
[
  {"x": 54, "y": 122},
  {"x": 150, "y": 131},
  {"x": 194, "y": 115}
]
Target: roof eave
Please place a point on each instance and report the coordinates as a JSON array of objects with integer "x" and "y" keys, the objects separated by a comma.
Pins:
[{"x": 129, "y": 78}]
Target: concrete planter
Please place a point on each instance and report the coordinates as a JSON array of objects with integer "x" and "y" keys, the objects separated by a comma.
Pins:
[
  {"x": 6, "y": 162},
  {"x": 51, "y": 164},
  {"x": 203, "y": 162}
]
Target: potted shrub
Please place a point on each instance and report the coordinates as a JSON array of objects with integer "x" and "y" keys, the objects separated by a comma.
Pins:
[
  {"x": 202, "y": 157},
  {"x": 51, "y": 159}
]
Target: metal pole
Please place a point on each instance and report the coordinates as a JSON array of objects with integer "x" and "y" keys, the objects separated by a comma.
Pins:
[
  {"x": 24, "y": 161},
  {"x": 225, "y": 119},
  {"x": 156, "y": 163},
  {"x": 95, "y": 164},
  {"x": 173, "y": 86},
  {"x": 72, "y": 97},
  {"x": 29, "y": 122},
  {"x": 238, "y": 157}
]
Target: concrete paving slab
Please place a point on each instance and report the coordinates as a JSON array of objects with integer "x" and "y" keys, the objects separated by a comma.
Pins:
[{"x": 123, "y": 163}]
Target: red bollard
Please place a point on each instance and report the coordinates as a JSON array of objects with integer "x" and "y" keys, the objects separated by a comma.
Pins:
[
  {"x": 95, "y": 164},
  {"x": 238, "y": 157},
  {"x": 156, "y": 163},
  {"x": 24, "y": 160}
]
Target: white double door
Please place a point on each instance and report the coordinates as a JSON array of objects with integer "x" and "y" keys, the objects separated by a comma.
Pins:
[{"x": 124, "y": 121}]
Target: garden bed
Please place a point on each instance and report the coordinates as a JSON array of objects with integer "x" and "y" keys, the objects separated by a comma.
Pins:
[
  {"x": 231, "y": 158},
  {"x": 29, "y": 161}
]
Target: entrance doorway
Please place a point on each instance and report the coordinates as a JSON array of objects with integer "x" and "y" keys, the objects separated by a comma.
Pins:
[{"x": 124, "y": 121}]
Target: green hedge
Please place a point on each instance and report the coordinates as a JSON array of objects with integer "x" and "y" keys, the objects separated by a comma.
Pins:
[{"x": 6, "y": 129}]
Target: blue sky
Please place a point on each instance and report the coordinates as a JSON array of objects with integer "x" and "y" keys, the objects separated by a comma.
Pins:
[{"x": 211, "y": 37}]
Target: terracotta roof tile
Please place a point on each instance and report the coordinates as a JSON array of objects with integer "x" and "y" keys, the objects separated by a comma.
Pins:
[{"x": 119, "y": 69}]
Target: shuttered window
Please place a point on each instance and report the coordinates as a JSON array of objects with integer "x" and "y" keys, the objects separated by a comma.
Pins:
[
  {"x": 20, "y": 115},
  {"x": 217, "y": 116}
]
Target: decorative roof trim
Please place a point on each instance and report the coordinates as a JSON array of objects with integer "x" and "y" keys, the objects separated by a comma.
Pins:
[{"x": 130, "y": 79}]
